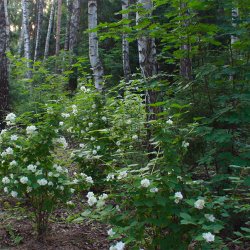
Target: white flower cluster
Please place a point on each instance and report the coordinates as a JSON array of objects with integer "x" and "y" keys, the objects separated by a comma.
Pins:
[
  {"x": 185, "y": 144},
  {"x": 10, "y": 119},
  {"x": 74, "y": 110},
  {"x": 209, "y": 237},
  {"x": 92, "y": 200},
  {"x": 118, "y": 246},
  {"x": 8, "y": 151},
  {"x": 88, "y": 179},
  {"x": 31, "y": 130},
  {"x": 24, "y": 180},
  {"x": 32, "y": 168},
  {"x": 111, "y": 232},
  {"x": 65, "y": 115},
  {"x": 178, "y": 197},
  {"x": 42, "y": 182},
  {"x": 199, "y": 204},
  {"x": 210, "y": 217},
  {"x": 145, "y": 183},
  {"x": 61, "y": 141}
]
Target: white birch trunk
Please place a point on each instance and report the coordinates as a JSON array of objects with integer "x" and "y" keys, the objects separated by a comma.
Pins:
[
  {"x": 125, "y": 45},
  {"x": 38, "y": 28},
  {"x": 74, "y": 24},
  {"x": 58, "y": 25},
  {"x": 93, "y": 46},
  {"x": 235, "y": 15},
  {"x": 146, "y": 46},
  {"x": 20, "y": 42},
  {"x": 51, "y": 17},
  {"x": 26, "y": 36}
]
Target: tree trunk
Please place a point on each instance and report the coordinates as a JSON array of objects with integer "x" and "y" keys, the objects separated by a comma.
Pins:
[
  {"x": 7, "y": 25},
  {"x": 20, "y": 42},
  {"x": 235, "y": 15},
  {"x": 73, "y": 37},
  {"x": 147, "y": 61},
  {"x": 38, "y": 28},
  {"x": 69, "y": 9},
  {"x": 4, "y": 85},
  {"x": 146, "y": 46},
  {"x": 185, "y": 61},
  {"x": 125, "y": 45},
  {"x": 26, "y": 35},
  {"x": 58, "y": 25},
  {"x": 51, "y": 17},
  {"x": 93, "y": 46}
]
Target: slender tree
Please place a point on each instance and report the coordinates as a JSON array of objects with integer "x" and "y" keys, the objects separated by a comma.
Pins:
[
  {"x": 51, "y": 17},
  {"x": 38, "y": 28},
  {"x": 58, "y": 25},
  {"x": 125, "y": 45},
  {"x": 20, "y": 42},
  {"x": 7, "y": 25},
  {"x": 93, "y": 45},
  {"x": 4, "y": 85},
  {"x": 185, "y": 61},
  {"x": 26, "y": 35},
  {"x": 69, "y": 9},
  {"x": 73, "y": 37}
]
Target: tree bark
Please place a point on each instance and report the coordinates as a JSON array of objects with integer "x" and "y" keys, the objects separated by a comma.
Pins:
[
  {"x": 69, "y": 9},
  {"x": 51, "y": 17},
  {"x": 58, "y": 25},
  {"x": 93, "y": 46},
  {"x": 125, "y": 45},
  {"x": 7, "y": 25},
  {"x": 26, "y": 35},
  {"x": 4, "y": 84},
  {"x": 38, "y": 28},
  {"x": 185, "y": 61},
  {"x": 73, "y": 38},
  {"x": 20, "y": 42}
]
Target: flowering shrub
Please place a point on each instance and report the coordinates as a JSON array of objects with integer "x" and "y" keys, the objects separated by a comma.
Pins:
[{"x": 30, "y": 169}]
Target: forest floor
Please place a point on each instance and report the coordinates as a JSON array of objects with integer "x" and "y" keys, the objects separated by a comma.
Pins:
[{"x": 17, "y": 231}]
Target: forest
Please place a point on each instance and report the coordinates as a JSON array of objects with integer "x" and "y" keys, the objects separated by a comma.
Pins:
[{"x": 124, "y": 124}]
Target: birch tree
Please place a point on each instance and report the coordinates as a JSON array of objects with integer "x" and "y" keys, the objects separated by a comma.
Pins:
[
  {"x": 38, "y": 28},
  {"x": 4, "y": 85},
  {"x": 58, "y": 25},
  {"x": 26, "y": 35},
  {"x": 51, "y": 17},
  {"x": 93, "y": 45},
  {"x": 125, "y": 45},
  {"x": 69, "y": 8},
  {"x": 73, "y": 37}
]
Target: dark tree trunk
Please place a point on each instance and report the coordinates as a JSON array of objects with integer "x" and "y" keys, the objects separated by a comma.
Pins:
[{"x": 4, "y": 84}]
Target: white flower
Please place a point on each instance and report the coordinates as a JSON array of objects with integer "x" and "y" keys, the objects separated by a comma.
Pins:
[
  {"x": 5, "y": 180},
  {"x": 10, "y": 118},
  {"x": 32, "y": 168},
  {"x": 13, "y": 137},
  {"x": 50, "y": 183},
  {"x": 110, "y": 177},
  {"x": 145, "y": 183},
  {"x": 31, "y": 130},
  {"x": 90, "y": 194},
  {"x": 6, "y": 190},
  {"x": 62, "y": 141},
  {"x": 185, "y": 144},
  {"x": 98, "y": 148},
  {"x": 61, "y": 123},
  {"x": 93, "y": 106},
  {"x": 90, "y": 124},
  {"x": 210, "y": 217},
  {"x": 3, "y": 131},
  {"x": 135, "y": 137},
  {"x": 199, "y": 204},
  {"x": 9, "y": 151},
  {"x": 103, "y": 196},
  {"x": 59, "y": 169},
  {"x": 74, "y": 109},
  {"x": 129, "y": 121},
  {"x": 94, "y": 152},
  {"x": 118, "y": 246},
  {"x": 178, "y": 197},
  {"x": 208, "y": 237},
  {"x": 29, "y": 189},
  {"x": 14, "y": 194},
  {"x": 169, "y": 121},
  {"x": 3, "y": 154},
  {"x": 72, "y": 190},
  {"x": 92, "y": 200},
  {"x": 42, "y": 182},
  {"x": 92, "y": 138},
  {"x": 24, "y": 180},
  {"x": 89, "y": 179},
  {"x": 122, "y": 175},
  {"x": 65, "y": 115},
  {"x": 104, "y": 118},
  {"x": 118, "y": 143},
  {"x": 111, "y": 232},
  {"x": 50, "y": 110},
  {"x": 154, "y": 190},
  {"x": 81, "y": 145}
]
